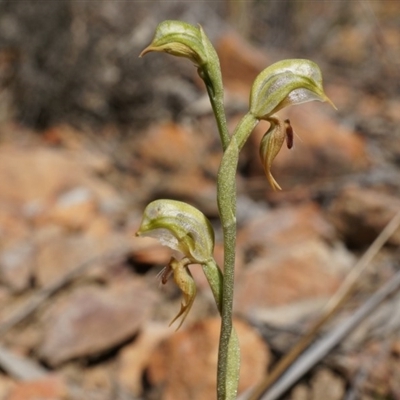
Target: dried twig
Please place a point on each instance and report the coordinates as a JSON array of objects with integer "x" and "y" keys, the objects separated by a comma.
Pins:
[
  {"x": 333, "y": 305},
  {"x": 20, "y": 368},
  {"x": 322, "y": 347}
]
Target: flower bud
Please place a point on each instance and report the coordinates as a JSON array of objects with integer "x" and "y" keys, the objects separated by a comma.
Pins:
[
  {"x": 285, "y": 83},
  {"x": 181, "y": 227},
  {"x": 184, "y": 40},
  {"x": 179, "y": 39}
]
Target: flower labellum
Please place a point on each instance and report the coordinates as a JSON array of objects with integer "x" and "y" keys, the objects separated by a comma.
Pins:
[
  {"x": 272, "y": 142},
  {"x": 185, "y": 282}
]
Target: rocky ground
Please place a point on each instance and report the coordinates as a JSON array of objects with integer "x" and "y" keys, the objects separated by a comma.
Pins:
[{"x": 83, "y": 314}]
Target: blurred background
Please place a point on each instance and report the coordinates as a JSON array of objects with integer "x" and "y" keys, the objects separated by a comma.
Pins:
[{"x": 90, "y": 134}]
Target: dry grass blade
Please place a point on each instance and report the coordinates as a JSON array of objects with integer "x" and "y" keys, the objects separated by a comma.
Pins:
[
  {"x": 333, "y": 305},
  {"x": 322, "y": 347},
  {"x": 20, "y": 367}
]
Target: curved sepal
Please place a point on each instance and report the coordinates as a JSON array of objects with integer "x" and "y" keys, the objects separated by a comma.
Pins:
[
  {"x": 181, "y": 227},
  {"x": 285, "y": 83},
  {"x": 184, "y": 40}
]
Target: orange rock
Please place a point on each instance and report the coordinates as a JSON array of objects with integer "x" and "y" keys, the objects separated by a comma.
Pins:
[
  {"x": 50, "y": 388},
  {"x": 92, "y": 320},
  {"x": 285, "y": 226},
  {"x": 185, "y": 364},
  {"x": 59, "y": 252},
  {"x": 307, "y": 270}
]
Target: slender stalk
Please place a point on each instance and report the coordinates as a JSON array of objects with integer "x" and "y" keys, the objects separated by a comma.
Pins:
[
  {"x": 231, "y": 375},
  {"x": 226, "y": 193},
  {"x": 217, "y": 104},
  {"x": 331, "y": 339},
  {"x": 244, "y": 129}
]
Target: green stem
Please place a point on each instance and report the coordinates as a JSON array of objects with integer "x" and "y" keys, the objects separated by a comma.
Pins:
[
  {"x": 217, "y": 104},
  {"x": 226, "y": 192},
  {"x": 244, "y": 129},
  {"x": 231, "y": 375}
]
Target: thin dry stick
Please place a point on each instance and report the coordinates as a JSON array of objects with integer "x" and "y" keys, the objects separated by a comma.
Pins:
[
  {"x": 20, "y": 367},
  {"x": 333, "y": 305},
  {"x": 323, "y": 346}
]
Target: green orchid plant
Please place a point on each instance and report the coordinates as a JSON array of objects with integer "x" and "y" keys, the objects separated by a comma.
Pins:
[{"x": 185, "y": 229}]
